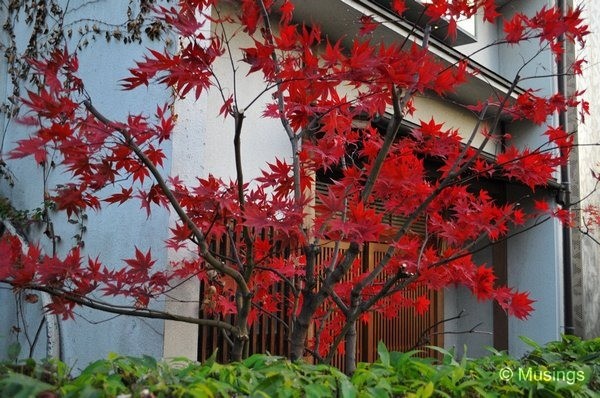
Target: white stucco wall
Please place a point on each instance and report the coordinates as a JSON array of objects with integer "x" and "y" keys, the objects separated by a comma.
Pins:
[{"x": 203, "y": 145}]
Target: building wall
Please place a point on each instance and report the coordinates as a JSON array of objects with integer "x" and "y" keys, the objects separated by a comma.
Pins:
[
  {"x": 484, "y": 33},
  {"x": 477, "y": 317},
  {"x": 534, "y": 258},
  {"x": 203, "y": 145},
  {"x": 535, "y": 265},
  {"x": 112, "y": 232},
  {"x": 512, "y": 57},
  {"x": 587, "y": 270}
]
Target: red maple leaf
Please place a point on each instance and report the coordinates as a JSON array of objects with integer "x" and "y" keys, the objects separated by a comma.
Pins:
[
  {"x": 398, "y": 6},
  {"x": 421, "y": 304},
  {"x": 514, "y": 29},
  {"x": 34, "y": 146},
  {"x": 490, "y": 12},
  {"x": 141, "y": 262},
  {"x": 517, "y": 304},
  {"x": 542, "y": 206},
  {"x": 250, "y": 15},
  {"x": 483, "y": 283},
  {"x": 287, "y": 9},
  {"x": 226, "y": 305},
  {"x": 367, "y": 25},
  {"x": 121, "y": 197}
]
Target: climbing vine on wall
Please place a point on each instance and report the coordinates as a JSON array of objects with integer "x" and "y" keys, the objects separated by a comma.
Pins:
[{"x": 31, "y": 28}]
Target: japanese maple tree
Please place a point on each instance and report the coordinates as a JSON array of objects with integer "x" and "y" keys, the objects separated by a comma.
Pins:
[{"x": 318, "y": 88}]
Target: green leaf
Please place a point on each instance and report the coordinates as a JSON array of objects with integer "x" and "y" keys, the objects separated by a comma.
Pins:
[
  {"x": 179, "y": 361},
  {"x": 14, "y": 350},
  {"x": 212, "y": 359},
  {"x": 384, "y": 354},
  {"x": 256, "y": 361},
  {"x": 316, "y": 391},
  {"x": 448, "y": 355},
  {"x": 590, "y": 357},
  {"x": 529, "y": 342},
  {"x": 88, "y": 392},
  {"x": 428, "y": 390},
  {"x": 199, "y": 391},
  {"x": 16, "y": 385},
  {"x": 347, "y": 389},
  {"x": 272, "y": 385}
]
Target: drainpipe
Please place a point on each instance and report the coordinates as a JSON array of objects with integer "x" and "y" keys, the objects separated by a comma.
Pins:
[
  {"x": 52, "y": 329},
  {"x": 565, "y": 195},
  {"x": 51, "y": 320}
]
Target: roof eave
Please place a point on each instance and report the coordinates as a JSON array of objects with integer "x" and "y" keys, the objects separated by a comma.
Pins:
[{"x": 339, "y": 19}]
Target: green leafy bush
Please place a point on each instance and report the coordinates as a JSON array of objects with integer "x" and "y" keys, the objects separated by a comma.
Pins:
[{"x": 566, "y": 368}]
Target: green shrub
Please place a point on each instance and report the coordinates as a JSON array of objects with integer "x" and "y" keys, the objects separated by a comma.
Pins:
[
  {"x": 545, "y": 372},
  {"x": 567, "y": 368}
]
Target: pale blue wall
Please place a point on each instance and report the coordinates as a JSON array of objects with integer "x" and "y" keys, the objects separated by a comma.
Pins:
[
  {"x": 112, "y": 232},
  {"x": 534, "y": 257},
  {"x": 457, "y": 299},
  {"x": 535, "y": 265},
  {"x": 512, "y": 57}
]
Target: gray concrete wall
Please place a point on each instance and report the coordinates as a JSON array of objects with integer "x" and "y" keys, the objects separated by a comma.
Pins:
[{"x": 587, "y": 272}]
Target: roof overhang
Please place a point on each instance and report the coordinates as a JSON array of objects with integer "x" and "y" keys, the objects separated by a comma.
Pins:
[{"x": 339, "y": 19}]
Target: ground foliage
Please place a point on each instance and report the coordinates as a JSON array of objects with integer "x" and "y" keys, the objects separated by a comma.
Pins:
[{"x": 394, "y": 374}]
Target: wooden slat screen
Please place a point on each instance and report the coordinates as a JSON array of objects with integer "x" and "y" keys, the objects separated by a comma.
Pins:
[
  {"x": 403, "y": 332},
  {"x": 269, "y": 335},
  {"x": 393, "y": 220},
  {"x": 400, "y": 333}
]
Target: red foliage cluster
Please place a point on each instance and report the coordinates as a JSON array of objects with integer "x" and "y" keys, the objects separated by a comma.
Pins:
[
  {"x": 426, "y": 174},
  {"x": 548, "y": 24}
]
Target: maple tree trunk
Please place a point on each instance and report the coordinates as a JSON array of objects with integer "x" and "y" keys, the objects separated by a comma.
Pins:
[
  {"x": 311, "y": 301},
  {"x": 301, "y": 325},
  {"x": 350, "y": 349},
  {"x": 241, "y": 322},
  {"x": 237, "y": 352}
]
